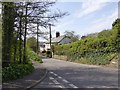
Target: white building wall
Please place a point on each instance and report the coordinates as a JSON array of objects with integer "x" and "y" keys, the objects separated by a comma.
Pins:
[
  {"x": 41, "y": 49},
  {"x": 47, "y": 46},
  {"x": 64, "y": 41}
]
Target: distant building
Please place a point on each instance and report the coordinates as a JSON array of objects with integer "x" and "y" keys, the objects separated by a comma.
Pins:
[
  {"x": 59, "y": 40},
  {"x": 42, "y": 46}
]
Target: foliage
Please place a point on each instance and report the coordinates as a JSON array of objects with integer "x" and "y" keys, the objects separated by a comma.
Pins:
[
  {"x": 116, "y": 28},
  {"x": 72, "y": 36},
  {"x": 106, "y": 33},
  {"x": 7, "y": 30},
  {"x": 15, "y": 71},
  {"x": 17, "y": 23},
  {"x": 98, "y": 50},
  {"x": 32, "y": 56},
  {"x": 0, "y": 34},
  {"x": 18, "y": 19},
  {"x": 32, "y": 43}
]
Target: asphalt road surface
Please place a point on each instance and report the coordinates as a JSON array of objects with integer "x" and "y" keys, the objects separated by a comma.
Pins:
[{"x": 63, "y": 74}]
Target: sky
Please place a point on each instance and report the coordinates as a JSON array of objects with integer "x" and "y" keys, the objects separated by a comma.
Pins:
[{"x": 86, "y": 16}]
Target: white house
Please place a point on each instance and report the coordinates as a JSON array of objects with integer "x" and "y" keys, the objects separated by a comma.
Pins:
[
  {"x": 57, "y": 40},
  {"x": 42, "y": 46}
]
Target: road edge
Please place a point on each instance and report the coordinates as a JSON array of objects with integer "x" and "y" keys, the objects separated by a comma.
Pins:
[{"x": 40, "y": 80}]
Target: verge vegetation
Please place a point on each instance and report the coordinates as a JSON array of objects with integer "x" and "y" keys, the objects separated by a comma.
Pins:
[{"x": 98, "y": 50}]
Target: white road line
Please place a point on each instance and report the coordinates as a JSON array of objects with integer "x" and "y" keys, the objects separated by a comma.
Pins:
[
  {"x": 73, "y": 86},
  {"x": 60, "y": 86},
  {"x": 59, "y": 77},
  {"x": 105, "y": 87},
  {"x": 52, "y": 72},
  {"x": 51, "y": 78},
  {"x": 50, "y": 83},
  {"x": 55, "y": 74},
  {"x": 55, "y": 81},
  {"x": 89, "y": 87},
  {"x": 65, "y": 81}
]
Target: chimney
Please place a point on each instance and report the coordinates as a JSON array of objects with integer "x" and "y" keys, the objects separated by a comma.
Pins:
[{"x": 57, "y": 34}]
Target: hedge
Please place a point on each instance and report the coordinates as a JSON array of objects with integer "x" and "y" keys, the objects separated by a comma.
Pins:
[
  {"x": 98, "y": 50},
  {"x": 16, "y": 71}
]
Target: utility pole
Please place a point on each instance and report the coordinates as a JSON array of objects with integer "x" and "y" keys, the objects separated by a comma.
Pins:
[
  {"x": 20, "y": 39},
  {"x": 24, "y": 58},
  {"x": 37, "y": 38},
  {"x": 50, "y": 39}
]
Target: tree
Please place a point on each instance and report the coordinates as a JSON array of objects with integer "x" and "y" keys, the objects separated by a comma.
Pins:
[
  {"x": 0, "y": 41},
  {"x": 105, "y": 34},
  {"x": 32, "y": 43},
  {"x": 116, "y": 28},
  {"x": 40, "y": 14},
  {"x": 71, "y": 34},
  {"x": 8, "y": 16},
  {"x": 18, "y": 18}
]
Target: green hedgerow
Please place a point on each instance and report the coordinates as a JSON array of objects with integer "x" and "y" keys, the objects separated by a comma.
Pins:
[
  {"x": 32, "y": 56},
  {"x": 16, "y": 71}
]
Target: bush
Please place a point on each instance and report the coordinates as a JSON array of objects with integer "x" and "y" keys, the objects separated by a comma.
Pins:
[
  {"x": 98, "y": 58},
  {"x": 38, "y": 59},
  {"x": 32, "y": 56},
  {"x": 98, "y": 50},
  {"x": 16, "y": 71}
]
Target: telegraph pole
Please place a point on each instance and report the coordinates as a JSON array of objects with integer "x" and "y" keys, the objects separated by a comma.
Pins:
[
  {"x": 20, "y": 39},
  {"x": 37, "y": 38},
  {"x": 24, "y": 58},
  {"x": 50, "y": 39}
]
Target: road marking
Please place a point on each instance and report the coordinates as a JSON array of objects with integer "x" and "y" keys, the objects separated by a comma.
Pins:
[
  {"x": 52, "y": 72},
  {"x": 73, "y": 86},
  {"x": 55, "y": 74},
  {"x": 50, "y": 83},
  {"x": 59, "y": 77},
  {"x": 55, "y": 81},
  {"x": 51, "y": 78},
  {"x": 89, "y": 87},
  {"x": 105, "y": 87},
  {"x": 60, "y": 86},
  {"x": 65, "y": 81}
]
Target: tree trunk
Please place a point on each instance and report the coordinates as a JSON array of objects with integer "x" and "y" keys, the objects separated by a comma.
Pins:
[
  {"x": 7, "y": 34},
  {"x": 37, "y": 40},
  {"x": 24, "y": 58},
  {"x": 20, "y": 42}
]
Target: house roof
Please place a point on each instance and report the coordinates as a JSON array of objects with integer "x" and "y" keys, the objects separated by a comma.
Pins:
[{"x": 56, "y": 39}]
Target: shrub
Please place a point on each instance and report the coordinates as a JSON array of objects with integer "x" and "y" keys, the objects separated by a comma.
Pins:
[
  {"x": 39, "y": 59},
  {"x": 16, "y": 71},
  {"x": 96, "y": 50},
  {"x": 32, "y": 56}
]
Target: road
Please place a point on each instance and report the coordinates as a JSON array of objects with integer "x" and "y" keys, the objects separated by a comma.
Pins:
[{"x": 63, "y": 74}]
